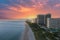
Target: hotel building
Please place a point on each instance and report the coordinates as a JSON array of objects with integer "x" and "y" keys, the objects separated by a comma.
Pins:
[{"x": 47, "y": 21}]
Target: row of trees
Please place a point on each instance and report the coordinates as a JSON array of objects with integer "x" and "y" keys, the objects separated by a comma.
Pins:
[{"x": 43, "y": 34}]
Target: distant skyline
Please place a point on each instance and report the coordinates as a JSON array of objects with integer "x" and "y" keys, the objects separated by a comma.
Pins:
[{"x": 17, "y": 9}]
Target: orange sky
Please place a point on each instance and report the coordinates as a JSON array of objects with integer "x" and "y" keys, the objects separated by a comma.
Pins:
[{"x": 27, "y": 9}]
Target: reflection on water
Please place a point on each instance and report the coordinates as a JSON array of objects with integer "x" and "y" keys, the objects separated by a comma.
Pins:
[{"x": 11, "y": 30}]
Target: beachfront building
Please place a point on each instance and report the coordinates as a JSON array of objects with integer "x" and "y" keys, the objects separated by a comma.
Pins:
[
  {"x": 47, "y": 21},
  {"x": 54, "y": 23},
  {"x": 43, "y": 19},
  {"x": 40, "y": 19}
]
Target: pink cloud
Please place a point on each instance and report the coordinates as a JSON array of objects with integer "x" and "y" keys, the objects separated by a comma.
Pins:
[
  {"x": 57, "y": 5},
  {"x": 18, "y": 11}
]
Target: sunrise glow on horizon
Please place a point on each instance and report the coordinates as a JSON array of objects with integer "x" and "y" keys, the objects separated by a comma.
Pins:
[{"x": 20, "y": 9}]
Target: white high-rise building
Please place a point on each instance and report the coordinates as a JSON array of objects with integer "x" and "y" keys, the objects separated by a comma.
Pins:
[
  {"x": 47, "y": 21},
  {"x": 44, "y": 19}
]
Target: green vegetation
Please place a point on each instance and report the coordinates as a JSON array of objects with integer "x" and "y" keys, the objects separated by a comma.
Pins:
[{"x": 43, "y": 34}]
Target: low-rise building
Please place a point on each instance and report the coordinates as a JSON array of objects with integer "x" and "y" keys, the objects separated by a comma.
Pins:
[{"x": 54, "y": 23}]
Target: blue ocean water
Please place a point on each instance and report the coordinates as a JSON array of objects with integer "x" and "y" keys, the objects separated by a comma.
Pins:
[{"x": 11, "y": 29}]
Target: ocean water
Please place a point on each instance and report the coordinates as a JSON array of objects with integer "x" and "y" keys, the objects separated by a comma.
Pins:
[{"x": 11, "y": 29}]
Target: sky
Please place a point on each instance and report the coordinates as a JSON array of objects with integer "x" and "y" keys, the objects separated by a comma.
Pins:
[{"x": 18, "y": 9}]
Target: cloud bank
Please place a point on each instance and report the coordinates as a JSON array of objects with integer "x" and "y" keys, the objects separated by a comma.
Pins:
[{"x": 16, "y": 9}]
